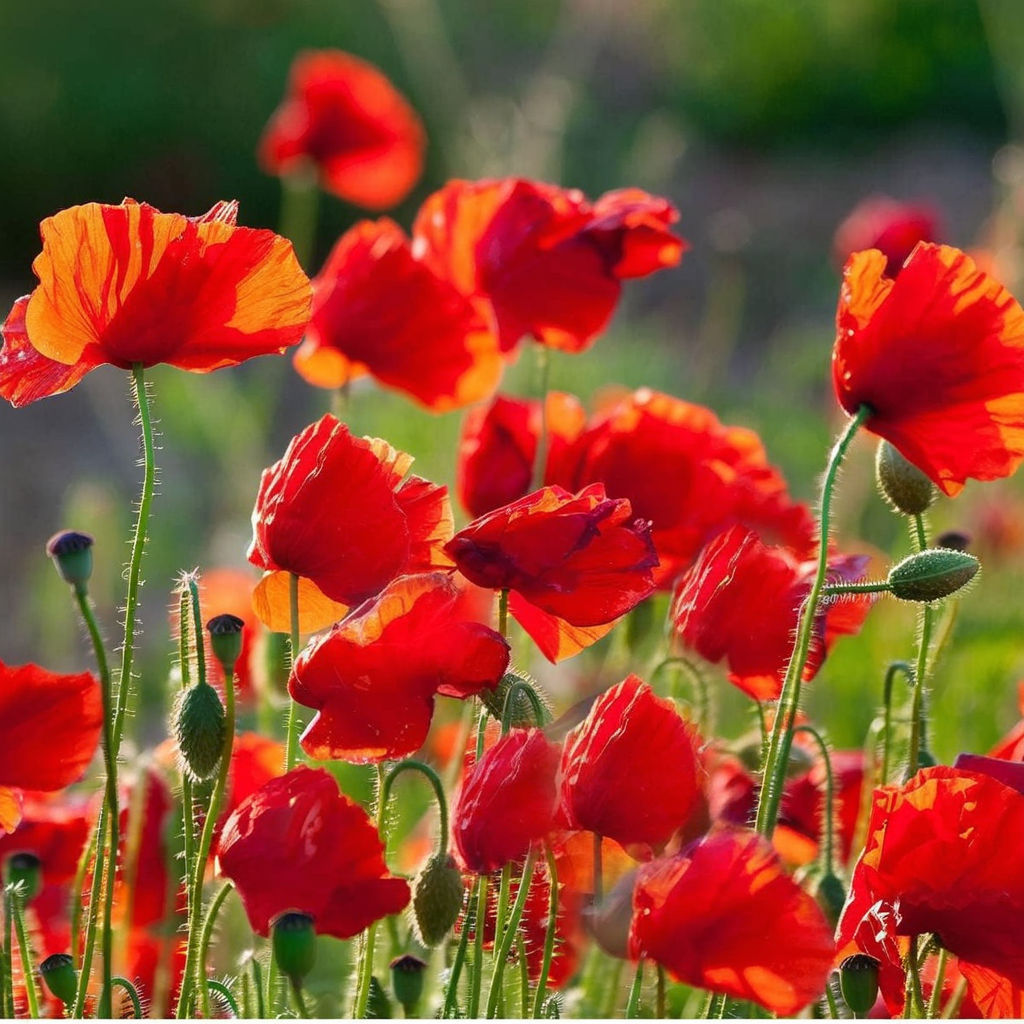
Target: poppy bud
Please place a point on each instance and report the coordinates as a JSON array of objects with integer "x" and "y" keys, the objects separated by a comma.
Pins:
[
  {"x": 378, "y": 1006},
  {"x": 953, "y": 539},
  {"x": 24, "y": 869},
  {"x": 407, "y": 981},
  {"x": 932, "y": 575},
  {"x": 226, "y": 640},
  {"x": 827, "y": 889},
  {"x": 902, "y": 484},
  {"x": 858, "y": 981},
  {"x": 294, "y": 940},
  {"x": 551, "y": 1010},
  {"x": 436, "y": 899},
  {"x": 199, "y": 729},
  {"x": 60, "y": 977},
  {"x": 72, "y": 555},
  {"x": 522, "y": 708}
]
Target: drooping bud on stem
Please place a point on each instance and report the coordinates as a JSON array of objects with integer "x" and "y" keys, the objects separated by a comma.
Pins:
[
  {"x": 902, "y": 484},
  {"x": 858, "y": 981},
  {"x": 72, "y": 555},
  {"x": 437, "y": 895},
  {"x": 60, "y": 977},
  {"x": 932, "y": 575},
  {"x": 199, "y": 729},
  {"x": 294, "y": 941},
  {"x": 24, "y": 869},
  {"x": 226, "y": 641},
  {"x": 407, "y": 981}
]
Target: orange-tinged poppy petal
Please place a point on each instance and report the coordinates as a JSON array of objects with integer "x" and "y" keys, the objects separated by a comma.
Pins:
[
  {"x": 555, "y": 638},
  {"x": 271, "y": 602},
  {"x": 325, "y": 367},
  {"x": 937, "y": 354},
  {"x": 10, "y": 808}
]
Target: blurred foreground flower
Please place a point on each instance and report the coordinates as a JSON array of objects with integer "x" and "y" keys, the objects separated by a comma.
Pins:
[{"x": 888, "y": 225}]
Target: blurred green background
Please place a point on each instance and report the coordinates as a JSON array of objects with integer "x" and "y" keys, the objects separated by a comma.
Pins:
[{"x": 764, "y": 122}]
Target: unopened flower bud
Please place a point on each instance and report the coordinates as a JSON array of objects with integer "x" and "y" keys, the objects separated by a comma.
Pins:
[
  {"x": 858, "y": 981},
  {"x": 25, "y": 869},
  {"x": 955, "y": 540},
  {"x": 72, "y": 555},
  {"x": 827, "y": 889},
  {"x": 523, "y": 716},
  {"x": 932, "y": 575},
  {"x": 226, "y": 640},
  {"x": 294, "y": 940},
  {"x": 60, "y": 977},
  {"x": 437, "y": 895},
  {"x": 378, "y": 1006},
  {"x": 407, "y": 980},
  {"x": 902, "y": 484},
  {"x": 199, "y": 729}
]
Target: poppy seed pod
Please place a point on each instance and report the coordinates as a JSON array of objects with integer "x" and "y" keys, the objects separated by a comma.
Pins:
[
  {"x": 407, "y": 981},
  {"x": 858, "y": 981},
  {"x": 59, "y": 974},
  {"x": 932, "y": 575},
  {"x": 24, "y": 869},
  {"x": 199, "y": 729},
  {"x": 226, "y": 640},
  {"x": 294, "y": 940},
  {"x": 72, "y": 555},
  {"x": 437, "y": 895},
  {"x": 902, "y": 484}
]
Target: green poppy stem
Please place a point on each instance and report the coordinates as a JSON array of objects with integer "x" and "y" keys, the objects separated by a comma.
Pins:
[
  {"x": 508, "y": 930},
  {"x": 926, "y": 623},
  {"x": 17, "y": 905},
  {"x": 549, "y": 934},
  {"x": 291, "y": 755}
]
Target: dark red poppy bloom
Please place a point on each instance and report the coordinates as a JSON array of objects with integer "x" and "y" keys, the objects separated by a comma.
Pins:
[
  {"x": 724, "y": 915},
  {"x": 50, "y": 730},
  {"x": 550, "y": 262},
  {"x": 342, "y": 117},
  {"x": 937, "y": 354},
  {"x": 128, "y": 284},
  {"x": 373, "y": 678},
  {"x": 891, "y": 226},
  {"x": 498, "y": 447},
  {"x": 300, "y": 844},
  {"x": 55, "y": 829},
  {"x": 506, "y": 801},
  {"x": 378, "y": 309},
  {"x": 940, "y": 858},
  {"x": 574, "y": 563},
  {"x": 687, "y": 473},
  {"x": 336, "y": 512},
  {"x": 629, "y": 770},
  {"x": 741, "y": 601}
]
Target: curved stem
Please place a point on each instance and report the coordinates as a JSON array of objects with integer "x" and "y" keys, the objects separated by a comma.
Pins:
[
  {"x": 540, "y": 458},
  {"x": 913, "y": 1004},
  {"x": 702, "y": 697},
  {"x": 907, "y": 669},
  {"x": 503, "y": 947},
  {"x": 291, "y": 754},
  {"x": 926, "y": 620},
  {"x": 410, "y": 764},
  {"x": 633, "y": 1003},
  {"x": 828, "y": 822},
  {"x": 207, "y": 934},
  {"x": 549, "y": 934},
  {"x": 774, "y": 776},
  {"x": 518, "y": 687},
  {"x": 935, "y": 1003},
  {"x": 300, "y": 202},
  {"x": 95, "y": 894},
  {"x": 133, "y": 995},
  {"x": 452, "y": 991},
  {"x": 225, "y": 993},
  {"x": 77, "y": 898},
  {"x": 17, "y": 906},
  {"x": 366, "y": 954}
]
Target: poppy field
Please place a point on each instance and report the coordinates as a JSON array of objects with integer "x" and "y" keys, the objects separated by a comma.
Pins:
[{"x": 536, "y": 687}]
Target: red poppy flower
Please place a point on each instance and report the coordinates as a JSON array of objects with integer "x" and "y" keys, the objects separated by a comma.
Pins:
[
  {"x": 741, "y": 601},
  {"x": 938, "y": 355},
  {"x": 724, "y": 915},
  {"x": 55, "y": 829},
  {"x": 630, "y": 771},
  {"x": 498, "y": 447},
  {"x": 50, "y": 730},
  {"x": 300, "y": 844},
  {"x": 128, "y": 284},
  {"x": 377, "y": 309},
  {"x": 336, "y": 512},
  {"x": 506, "y": 801},
  {"x": 573, "y": 563},
  {"x": 343, "y": 117},
  {"x": 939, "y": 858},
  {"x": 373, "y": 678},
  {"x": 550, "y": 262},
  {"x": 888, "y": 225},
  {"x": 689, "y": 475}
]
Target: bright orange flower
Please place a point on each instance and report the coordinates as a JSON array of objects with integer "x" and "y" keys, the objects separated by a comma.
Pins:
[
  {"x": 937, "y": 354},
  {"x": 49, "y": 730},
  {"x": 377, "y": 309},
  {"x": 373, "y": 678},
  {"x": 498, "y": 447},
  {"x": 888, "y": 225},
  {"x": 127, "y": 284},
  {"x": 687, "y": 473},
  {"x": 741, "y": 601},
  {"x": 724, "y": 915},
  {"x": 336, "y": 511},
  {"x": 550, "y": 262},
  {"x": 573, "y": 563},
  {"x": 343, "y": 117},
  {"x": 941, "y": 858}
]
